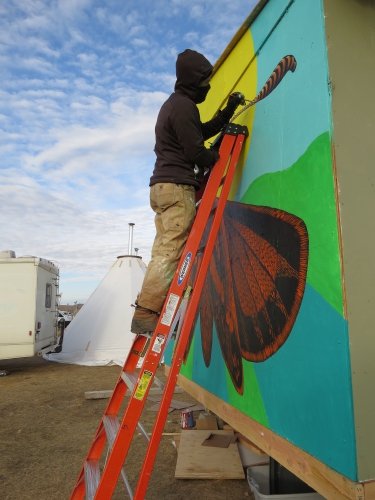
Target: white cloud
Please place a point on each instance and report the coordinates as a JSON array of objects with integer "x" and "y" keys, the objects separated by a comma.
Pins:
[
  {"x": 191, "y": 37},
  {"x": 83, "y": 81},
  {"x": 124, "y": 132},
  {"x": 196, "y": 11},
  {"x": 73, "y": 8},
  {"x": 54, "y": 94},
  {"x": 87, "y": 59},
  {"x": 140, "y": 42},
  {"x": 84, "y": 242},
  {"x": 42, "y": 47},
  {"x": 36, "y": 64}
]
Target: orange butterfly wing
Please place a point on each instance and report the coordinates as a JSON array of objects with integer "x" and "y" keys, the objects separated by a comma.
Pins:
[{"x": 255, "y": 285}]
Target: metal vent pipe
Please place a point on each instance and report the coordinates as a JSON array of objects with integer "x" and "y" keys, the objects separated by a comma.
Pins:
[{"x": 131, "y": 224}]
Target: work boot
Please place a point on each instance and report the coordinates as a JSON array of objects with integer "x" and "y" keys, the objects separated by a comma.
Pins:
[{"x": 144, "y": 321}]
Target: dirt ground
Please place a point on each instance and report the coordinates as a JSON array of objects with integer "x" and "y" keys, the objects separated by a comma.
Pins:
[{"x": 47, "y": 426}]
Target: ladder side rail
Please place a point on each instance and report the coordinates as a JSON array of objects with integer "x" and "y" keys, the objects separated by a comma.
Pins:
[
  {"x": 130, "y": 364},
  {"x": 186, "y": 327},
  {"x": 79, "y": 490},
  {"x": 95, "y": 452},
  {"x": 113, "y": 406},
  {"x": 134, "y": 409}
]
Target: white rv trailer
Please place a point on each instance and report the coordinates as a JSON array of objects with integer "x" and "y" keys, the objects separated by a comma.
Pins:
[{"x": 28, "y": 305}]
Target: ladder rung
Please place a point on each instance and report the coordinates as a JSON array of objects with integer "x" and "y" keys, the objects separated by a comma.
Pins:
[
  {"x": 111, "y": 425},
  {"x": 130, "y": 379},
  {"x": 222, "y": 180},
  {"x": 143, "y": 431},
  {"x": 213, "y": 210},
  {"x": 92, "y": 478},
  {"x": 159, "y": 383},
  {"x": 201, "y": 250}
]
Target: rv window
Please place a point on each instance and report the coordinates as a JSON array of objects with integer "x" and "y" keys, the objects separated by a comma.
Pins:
[{"x": 48, "y": 295}]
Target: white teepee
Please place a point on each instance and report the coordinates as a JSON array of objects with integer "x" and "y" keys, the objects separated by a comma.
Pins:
[{"x": 100, "y": 333}]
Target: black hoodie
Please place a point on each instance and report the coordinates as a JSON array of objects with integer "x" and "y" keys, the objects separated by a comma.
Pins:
[{"x": 180, "y": 135}]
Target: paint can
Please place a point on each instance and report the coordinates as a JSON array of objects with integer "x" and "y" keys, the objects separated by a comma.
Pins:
[{"x": 187, "y": 419}]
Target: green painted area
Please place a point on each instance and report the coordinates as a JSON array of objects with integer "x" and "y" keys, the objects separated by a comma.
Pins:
[
  {"x": 187, "y": 369},
  {"x": 251, "y": 402},
  {"x": 306, "y": 189}
]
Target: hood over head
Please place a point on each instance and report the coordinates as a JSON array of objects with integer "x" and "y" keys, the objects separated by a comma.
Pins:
[{"x": 192, "y": 68}]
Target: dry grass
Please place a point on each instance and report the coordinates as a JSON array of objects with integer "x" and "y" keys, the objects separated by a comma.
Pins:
[{"x": 47, "y": 427}]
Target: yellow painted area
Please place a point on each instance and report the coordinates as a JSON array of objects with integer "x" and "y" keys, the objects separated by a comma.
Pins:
[{"x": 223, "y": 83}]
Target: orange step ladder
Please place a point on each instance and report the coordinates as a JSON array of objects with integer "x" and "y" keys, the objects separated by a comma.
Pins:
[{"x": 116, "y": 435}]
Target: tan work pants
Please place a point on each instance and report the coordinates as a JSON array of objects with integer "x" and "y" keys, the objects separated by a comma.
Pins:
[{"x": 174, "y": 205}]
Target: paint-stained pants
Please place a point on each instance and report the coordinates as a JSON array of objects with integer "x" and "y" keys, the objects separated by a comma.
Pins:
[{"x": 174, "y": 205}]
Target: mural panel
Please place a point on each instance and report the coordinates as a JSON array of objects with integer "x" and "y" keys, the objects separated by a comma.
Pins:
[{"x": 270, "y": 337}]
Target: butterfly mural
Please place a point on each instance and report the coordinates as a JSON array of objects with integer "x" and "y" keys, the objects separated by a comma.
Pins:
[{"x": 254, "y": 286}]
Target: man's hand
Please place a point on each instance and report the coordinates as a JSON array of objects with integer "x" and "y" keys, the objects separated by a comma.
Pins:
[{"x": 234, "y": 100}]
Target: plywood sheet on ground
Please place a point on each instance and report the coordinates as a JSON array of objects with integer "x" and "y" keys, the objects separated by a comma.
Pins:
[{"x": 195, "y": 461}]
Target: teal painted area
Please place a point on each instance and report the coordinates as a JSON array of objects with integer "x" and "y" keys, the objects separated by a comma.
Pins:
[
  {"x": 306, "y": 189},
  {"x": 216, "y": 380},
  {"x": 187, "y": 368},
  {"x": 299, "y": 109},
  {"x": 213, "y": 378},
  {"x": 306, "y": 386},
  {"x": 168, "y": 353},
  {"x": 250, "y": 402},
  {"x": 264, "y": 23}
]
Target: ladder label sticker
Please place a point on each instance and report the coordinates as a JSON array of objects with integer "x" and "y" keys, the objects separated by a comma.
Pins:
[
  {"x": 142, "y": 385},
  {"x": 159, "y": 341},
  {"x": 184, "y": 268},
  {"x": 170, "y": 309}
]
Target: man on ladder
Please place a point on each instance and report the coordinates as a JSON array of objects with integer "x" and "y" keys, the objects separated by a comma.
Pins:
[{"x": 181, "y": 159}]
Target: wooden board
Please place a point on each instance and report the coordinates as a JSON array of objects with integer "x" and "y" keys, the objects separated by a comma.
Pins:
[
  {"x": 174, "y": 405},
  {"x": 205, "y": 424},
  {"x": 329, "y": 483},
  {"x": 369, "y": 490},
  {"x": 108, "y": 394},
  {"x": 195, "y": 461},
  {"x": 249, "y": 458},
  {"x": 177, "y": 441},
  {"x": 244, "y": 441}
]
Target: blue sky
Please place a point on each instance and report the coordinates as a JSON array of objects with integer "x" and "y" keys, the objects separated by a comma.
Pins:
[{"x": 82, "y": 83}]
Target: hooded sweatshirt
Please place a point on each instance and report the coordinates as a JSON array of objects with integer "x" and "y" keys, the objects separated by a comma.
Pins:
[{"x": 180, "y": 135}]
